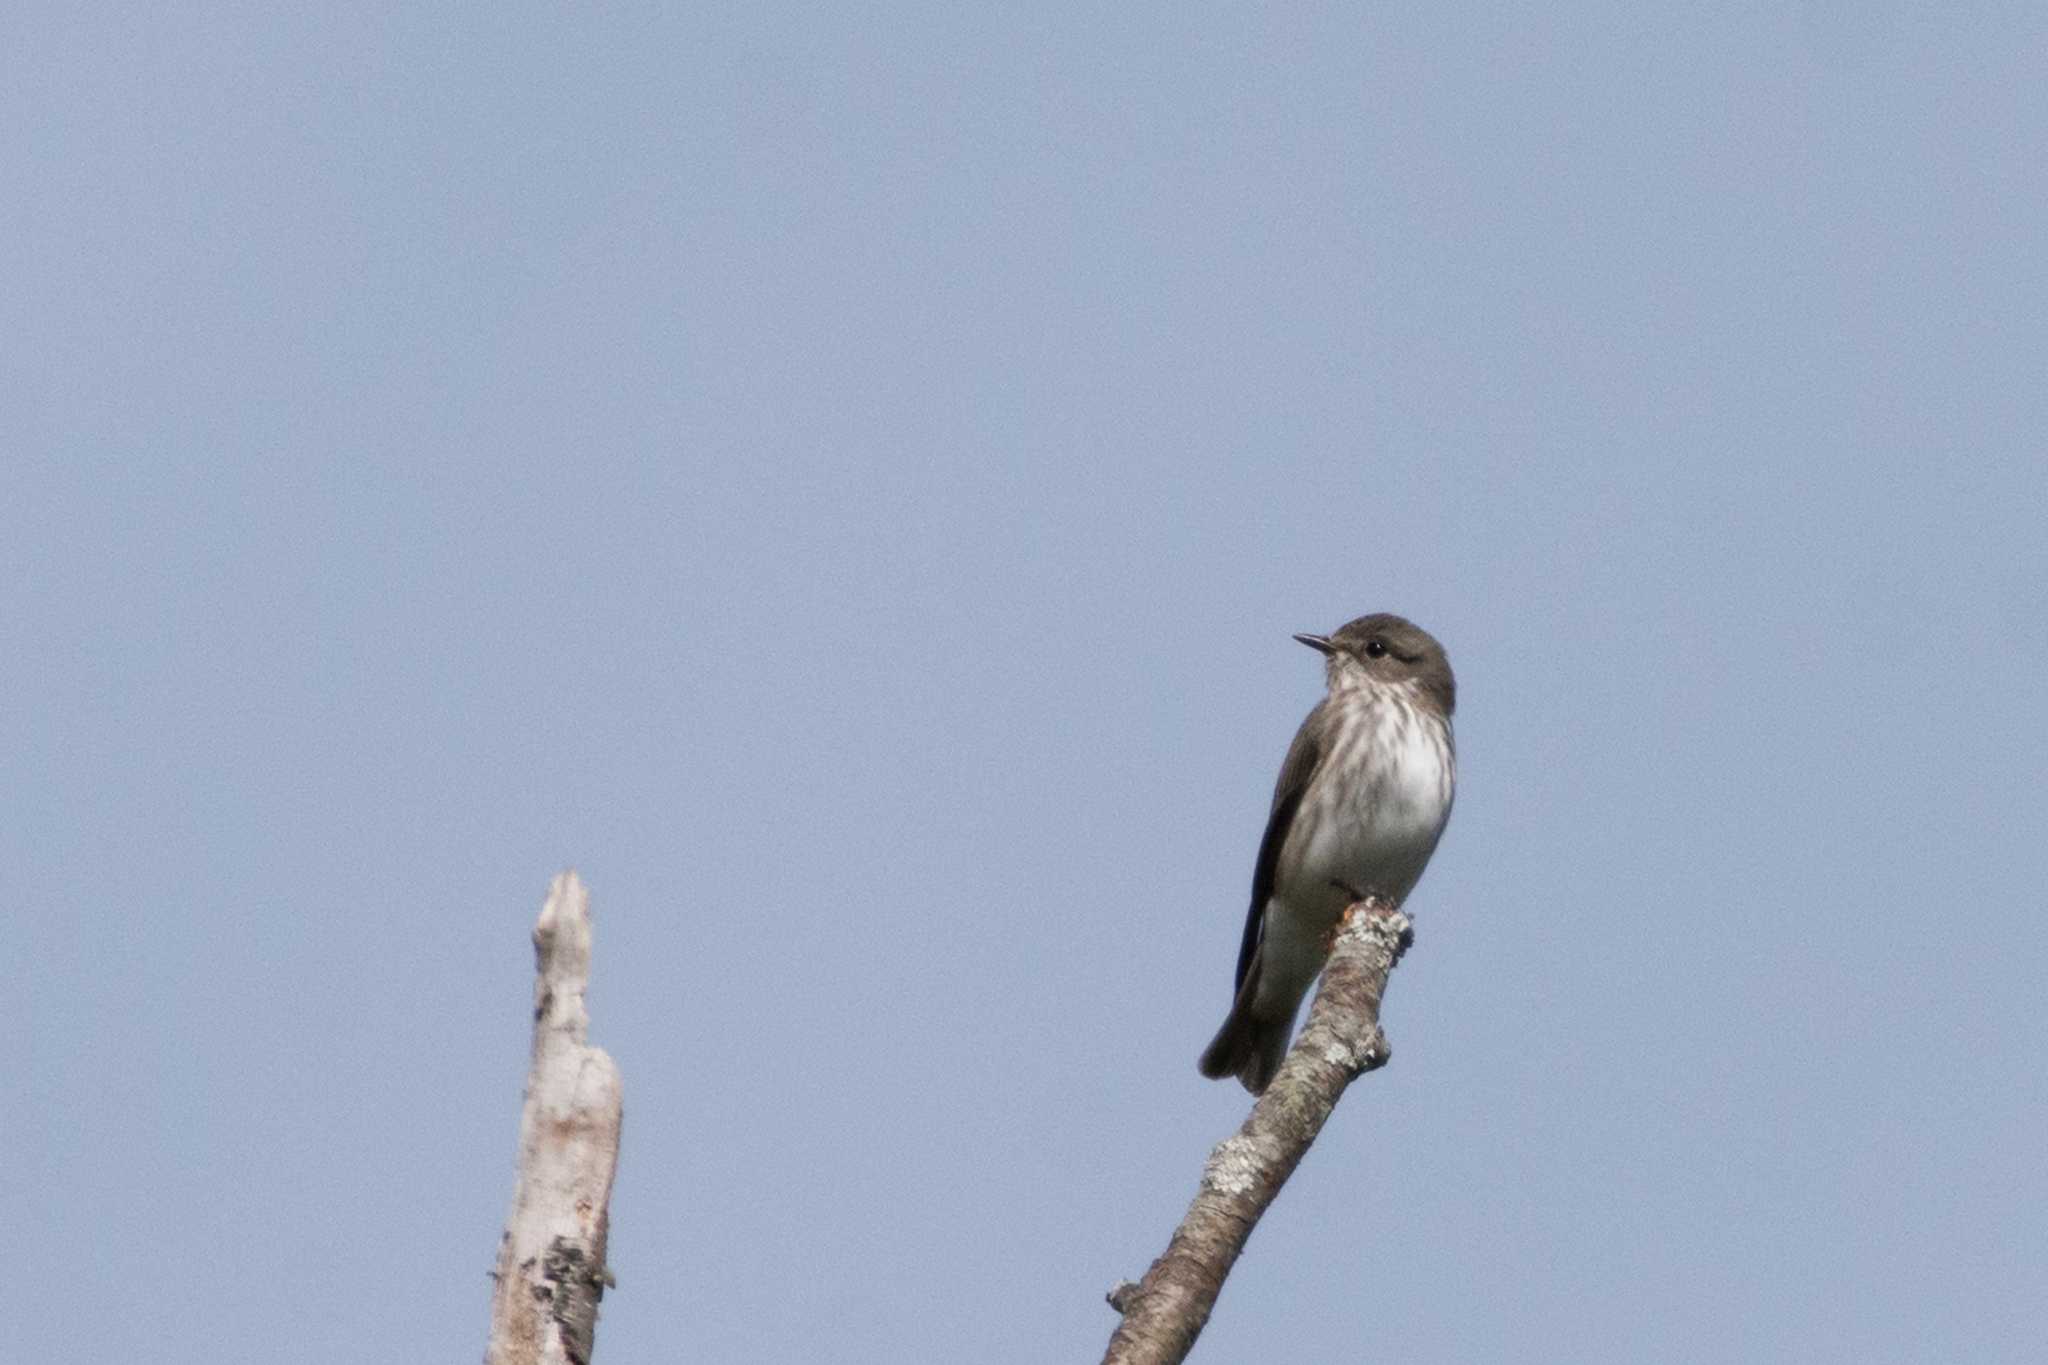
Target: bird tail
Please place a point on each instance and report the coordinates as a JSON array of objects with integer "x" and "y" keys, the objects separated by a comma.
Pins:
[{"x": 1247, "y": 1047}]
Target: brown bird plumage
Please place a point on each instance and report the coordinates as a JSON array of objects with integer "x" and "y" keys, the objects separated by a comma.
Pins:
[{"x": 1361, "y": 802}]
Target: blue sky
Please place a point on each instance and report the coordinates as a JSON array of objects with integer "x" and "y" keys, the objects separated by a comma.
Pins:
[{"x": 845, "y": 480}]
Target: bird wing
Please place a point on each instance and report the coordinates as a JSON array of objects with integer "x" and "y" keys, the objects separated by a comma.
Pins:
[{"x": 1300, "y": 765}]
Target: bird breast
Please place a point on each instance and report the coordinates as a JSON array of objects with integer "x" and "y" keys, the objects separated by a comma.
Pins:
[{"x": 1374, "y": 811}]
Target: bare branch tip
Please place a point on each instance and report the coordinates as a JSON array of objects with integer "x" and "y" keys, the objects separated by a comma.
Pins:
[
  {"x": 1342, "y": 1040},
  {"x": 561, "y": 936}
]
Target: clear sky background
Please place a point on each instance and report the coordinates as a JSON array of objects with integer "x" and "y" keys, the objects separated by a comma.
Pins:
[{"x": 844, "y": 478}]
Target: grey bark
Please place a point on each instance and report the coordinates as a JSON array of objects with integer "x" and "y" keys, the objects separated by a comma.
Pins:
[
  {"x": 1166, "y": 1311},
  {"x": 551, "y": 1269}
]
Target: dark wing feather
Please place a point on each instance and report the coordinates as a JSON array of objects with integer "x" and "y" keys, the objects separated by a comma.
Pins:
[{"x": 1302, "y": 757}]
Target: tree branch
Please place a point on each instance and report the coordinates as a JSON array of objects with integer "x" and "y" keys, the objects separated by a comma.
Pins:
[
  {"x": 551, "y": 1269},
  {"x": 1165, "y": 1312}
]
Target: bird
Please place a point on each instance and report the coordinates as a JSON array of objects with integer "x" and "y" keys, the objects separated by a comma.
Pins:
[{"x": 1363, "y": 797}]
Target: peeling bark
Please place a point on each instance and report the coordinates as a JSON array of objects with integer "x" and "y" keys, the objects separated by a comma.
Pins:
[{"x": 551, "y": 1269}]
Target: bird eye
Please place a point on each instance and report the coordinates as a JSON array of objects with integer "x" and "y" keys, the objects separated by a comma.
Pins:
[{"x": 1374, "y": 649}]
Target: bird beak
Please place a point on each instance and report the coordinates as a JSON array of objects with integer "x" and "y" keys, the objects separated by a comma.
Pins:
[{"x": 1321, "y": 642}]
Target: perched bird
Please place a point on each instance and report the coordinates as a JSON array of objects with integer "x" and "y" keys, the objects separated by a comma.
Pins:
[{"x": 1362, "y": 799}]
